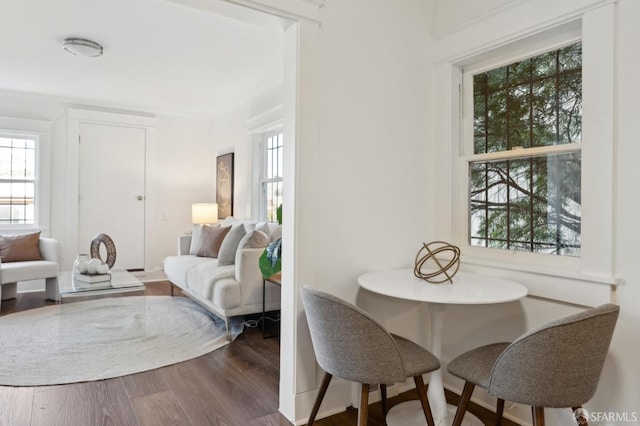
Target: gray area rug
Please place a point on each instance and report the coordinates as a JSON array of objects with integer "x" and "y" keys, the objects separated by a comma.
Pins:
[{"x": 104, "y": 338}]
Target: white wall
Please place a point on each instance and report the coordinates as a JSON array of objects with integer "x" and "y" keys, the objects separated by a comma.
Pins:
[
  {"x": 366, "y": 174},
  {"x": 620, "y": 385},
  {"x": 373, "y": 135},
  {"x": 466, "y": 327},
  {"x": 375, "y": 204},
  {"x": 232, "y": 132},
  {"x": 184, "y": 172},
  {"x": 451, "y": 14}
]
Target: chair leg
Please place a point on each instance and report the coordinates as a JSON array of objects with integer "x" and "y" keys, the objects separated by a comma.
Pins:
[
  {"x": 9, "y": 291},
  {"x": 52, "y": 291},
  {"x": 538, "y": 416},
  {"x": 316, "y": 405},
  {"x": 464, "y": 403},
  {"x": 227, "y": 323},
  {"x": 422, "y": 394},
  {"x": 383, "y": 399},
  {"x": 499, "y": 411},
  {"x": 363, "y": 412},
  {"x": 580, "y": 415}
]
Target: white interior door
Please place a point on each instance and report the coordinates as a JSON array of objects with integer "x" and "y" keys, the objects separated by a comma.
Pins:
[{"x": 112, "y": 190}]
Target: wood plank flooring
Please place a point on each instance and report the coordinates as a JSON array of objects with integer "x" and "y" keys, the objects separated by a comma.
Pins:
[{"x": 236, "y": 385}]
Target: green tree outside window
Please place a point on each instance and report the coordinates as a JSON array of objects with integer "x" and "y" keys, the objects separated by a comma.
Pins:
[{"x": 530, "y": 202}]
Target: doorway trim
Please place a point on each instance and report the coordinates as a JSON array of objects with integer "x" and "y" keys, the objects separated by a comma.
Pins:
[
  {"x": 299, "y": 379},
  {"x": 86, "y": 114}
]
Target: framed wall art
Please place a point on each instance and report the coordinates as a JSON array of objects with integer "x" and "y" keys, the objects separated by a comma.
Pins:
[{"x": 224, "y": 185}]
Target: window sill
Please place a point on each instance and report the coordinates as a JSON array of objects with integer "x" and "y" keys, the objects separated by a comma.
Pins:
[
  {"x": 577, "y": 276},
  {"x": 558, "y": 285}
]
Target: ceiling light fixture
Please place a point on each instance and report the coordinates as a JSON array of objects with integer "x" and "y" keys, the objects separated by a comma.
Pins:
[{"x": 82, "y": 47}]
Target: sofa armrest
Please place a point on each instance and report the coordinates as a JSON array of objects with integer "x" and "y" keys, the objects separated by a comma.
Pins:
[
  {"x": 184, "y": 244},
  {"x": 248, "y": 273},
  {"x": 50, "y": 249}
]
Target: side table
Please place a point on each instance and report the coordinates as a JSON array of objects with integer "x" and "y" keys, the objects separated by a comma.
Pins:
[
  {"x": 277, "y": 280},
  {"x": 467, "y": 289}
]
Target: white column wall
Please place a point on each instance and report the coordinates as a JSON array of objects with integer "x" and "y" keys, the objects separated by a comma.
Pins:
[
  {"x": 619, "y": 390},
  {"x": 361, "y": 188}
]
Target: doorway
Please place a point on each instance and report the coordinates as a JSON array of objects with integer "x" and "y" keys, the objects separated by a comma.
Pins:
[
  {"x": 111, "y": 191},
  {"x": 108, "y": 166}
]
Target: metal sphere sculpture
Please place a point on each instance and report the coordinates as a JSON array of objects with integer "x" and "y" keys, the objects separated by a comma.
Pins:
[{"x": 428, "y": 252}]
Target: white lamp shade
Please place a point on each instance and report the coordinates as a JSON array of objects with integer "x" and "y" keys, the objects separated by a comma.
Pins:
[{"x": 204, "y": 213}]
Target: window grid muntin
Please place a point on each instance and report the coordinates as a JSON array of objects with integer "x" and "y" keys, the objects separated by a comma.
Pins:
[
  {"x": 273, "y": 172},
  {"x": 567, "y": 65},
  {"x": 482, "y": 88},
  {"x": 17, "y": 179},
  {"x": 564, "y": 217}
]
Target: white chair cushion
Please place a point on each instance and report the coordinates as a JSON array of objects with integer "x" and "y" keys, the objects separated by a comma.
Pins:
[
  {"x": 176, "y": 267},
  {"x": 201, "y": 279},
  {"x": 30, "y": 270}
]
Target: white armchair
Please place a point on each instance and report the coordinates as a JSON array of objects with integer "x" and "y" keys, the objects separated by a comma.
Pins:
[{"x": 47, "y": 269}]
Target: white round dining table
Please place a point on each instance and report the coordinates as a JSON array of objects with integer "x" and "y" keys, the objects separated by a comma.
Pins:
[{"x": 468, "y": 288}]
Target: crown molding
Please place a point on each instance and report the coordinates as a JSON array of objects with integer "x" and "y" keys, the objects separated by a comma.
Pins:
[
  {"x": 308, "y": 10},
  {"x": 515, "y": 21},
  {"x": 505, "y": 8}
]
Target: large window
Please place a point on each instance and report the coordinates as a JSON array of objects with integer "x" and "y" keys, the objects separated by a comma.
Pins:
[
  {"x": 18, "y": 179},
  {"x": 525, "y": 144},
  {"x": 271, "y": 182},
  {"x": 525, "y": 170}
]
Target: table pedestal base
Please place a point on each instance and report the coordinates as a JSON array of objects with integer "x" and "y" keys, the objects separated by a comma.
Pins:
[{"x": 410, "y": 414}]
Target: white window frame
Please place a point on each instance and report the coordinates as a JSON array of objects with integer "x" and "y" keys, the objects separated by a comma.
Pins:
[
  {"x": 263, "y": 180},
  {"x": 556, "y": 277},
  {"x": 467, "y": 156},
  {"x": 267, "y": 122},
  {"x": 40, "y": 132}
]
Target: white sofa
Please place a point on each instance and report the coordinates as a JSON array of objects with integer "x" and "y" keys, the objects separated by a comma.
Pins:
[
  {"x": 47, "y": 269},
  {"x": 227, "y": 291}
]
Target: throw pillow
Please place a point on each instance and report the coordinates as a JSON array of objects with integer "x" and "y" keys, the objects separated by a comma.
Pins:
[
  {"x": 264, "y": 227},
  {"x": 211, "y": 240},
  {"x": 227, "y": 253},
  {"x": 276, "y": 233},
  {"x": 249, "y": 225},
  {"x": 196, "y": 238},
  {"x": 229, "y": 221},
  {"x": 254, "y": 239},
  {"x": 20, "y": 248}
]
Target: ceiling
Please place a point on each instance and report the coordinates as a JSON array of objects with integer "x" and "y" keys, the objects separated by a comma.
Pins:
[{"x": 159, "y": 55}]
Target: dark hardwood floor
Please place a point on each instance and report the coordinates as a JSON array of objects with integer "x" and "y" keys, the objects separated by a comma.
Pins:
[
  {"x": 236, "y": 385},
  {"x": 350, "y": 415}
]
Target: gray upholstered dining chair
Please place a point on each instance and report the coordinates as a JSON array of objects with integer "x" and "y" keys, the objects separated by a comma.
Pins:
[
  {"x": 352, "y": 345},
  {"x": 556, "y": 365}
]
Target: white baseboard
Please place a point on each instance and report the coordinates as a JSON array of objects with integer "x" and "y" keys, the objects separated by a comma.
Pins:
[
  {"x": 340, "y": 395},
  {"x": 335, "y": 401}
]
